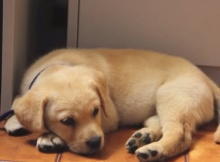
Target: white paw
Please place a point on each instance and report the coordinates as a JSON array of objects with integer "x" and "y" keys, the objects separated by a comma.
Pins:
[
  {"x": 14, "y": 128},
  {"x": 49, "y": 142}
]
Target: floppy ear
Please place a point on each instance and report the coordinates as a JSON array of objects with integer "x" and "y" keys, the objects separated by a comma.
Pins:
[
  {"x": 29, "y": 110},
  {"x": 102, "y": 90}
]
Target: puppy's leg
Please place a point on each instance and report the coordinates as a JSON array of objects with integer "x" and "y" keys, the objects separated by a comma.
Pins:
[
  {"x": 150, "y": 133},
  {"x": 180, "y": 107},
  {"x": 14, "y": 128},
  {"x": 50, "y": 142}
]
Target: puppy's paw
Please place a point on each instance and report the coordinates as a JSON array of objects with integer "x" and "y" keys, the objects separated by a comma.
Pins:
[
  {"x": 14, "y": 128},
  {"x": 50, "y": 143},
  {"x": 140, "y": 138},
  {"x": 151, "y": 152}
]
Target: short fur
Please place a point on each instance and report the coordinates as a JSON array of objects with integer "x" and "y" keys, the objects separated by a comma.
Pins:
[{"x": 166, "y": 93}]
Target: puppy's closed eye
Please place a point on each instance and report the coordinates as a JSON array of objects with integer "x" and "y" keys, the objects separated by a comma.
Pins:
[
  {"x": 68, "y": 121},
  {"x": 95, "y": 111}
]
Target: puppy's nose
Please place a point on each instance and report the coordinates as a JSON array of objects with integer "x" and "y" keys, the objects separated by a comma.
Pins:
[{"x": 94, "y": 143}]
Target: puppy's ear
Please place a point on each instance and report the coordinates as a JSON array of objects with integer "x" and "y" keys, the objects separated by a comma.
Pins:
[
  {"x": 102, "y": 90},
  {"x": 29, "y": 110}
]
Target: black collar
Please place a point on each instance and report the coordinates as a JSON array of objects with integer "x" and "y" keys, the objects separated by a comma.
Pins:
[
  {"x": 35, "y": 78},
  {"x": 38, "y": 74},
  {"x": 6, "y": 115}
]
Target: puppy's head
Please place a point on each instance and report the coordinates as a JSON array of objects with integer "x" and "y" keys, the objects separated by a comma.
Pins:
[{"x": 68, "y": 102}]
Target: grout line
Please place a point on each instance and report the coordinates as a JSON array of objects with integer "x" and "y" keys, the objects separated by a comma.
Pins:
[
  {"x": 187, "y": 157},
  {"x": 58, "y": 158}
]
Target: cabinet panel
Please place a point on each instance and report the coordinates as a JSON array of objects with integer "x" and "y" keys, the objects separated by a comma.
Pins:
[
  {"x": 17, "y": 26},
  {"x": 190, "y": 29},
  {"x": 12, "y": 47},
  {"x": 72, "y": 26}
]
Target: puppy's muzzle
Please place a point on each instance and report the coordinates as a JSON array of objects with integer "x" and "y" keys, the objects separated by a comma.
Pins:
[{"x": 94, "y": 143}]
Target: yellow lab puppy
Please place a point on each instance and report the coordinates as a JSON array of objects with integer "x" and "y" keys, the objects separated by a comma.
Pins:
[{"x": 78, "y": 95}]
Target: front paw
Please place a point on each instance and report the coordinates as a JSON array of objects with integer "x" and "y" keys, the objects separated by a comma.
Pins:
[
  {"x": 14, "y": 128},
  {"x": 50, "y": 143}
]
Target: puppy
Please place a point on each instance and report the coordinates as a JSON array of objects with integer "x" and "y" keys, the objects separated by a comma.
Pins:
[{"x": 78, "y": 95}]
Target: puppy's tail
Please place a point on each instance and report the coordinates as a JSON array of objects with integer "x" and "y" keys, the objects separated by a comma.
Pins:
[{"x": 216, "y": 94}]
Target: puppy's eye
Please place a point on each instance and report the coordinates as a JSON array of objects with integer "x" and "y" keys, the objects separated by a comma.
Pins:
[
  {"x": 68, "y": 121},
  {"x": 95, "y": 112}
]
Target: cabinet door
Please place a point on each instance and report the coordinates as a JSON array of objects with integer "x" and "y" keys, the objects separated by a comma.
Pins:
[
  {"x": 16, "y": 44},
  {"x": 13, "y": 59},
  {"x": 189, "y": 28}
]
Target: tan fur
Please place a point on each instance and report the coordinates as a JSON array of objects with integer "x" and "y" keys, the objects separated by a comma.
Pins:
[{"x": 130, "y": 86}]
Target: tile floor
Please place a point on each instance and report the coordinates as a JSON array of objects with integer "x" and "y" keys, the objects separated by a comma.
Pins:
[{"x": 22, "y": 149}]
